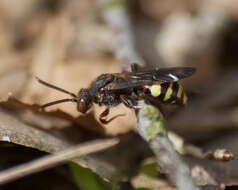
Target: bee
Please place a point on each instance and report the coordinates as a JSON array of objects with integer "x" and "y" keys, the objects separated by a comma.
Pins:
[{"x": 111, "y": 89}]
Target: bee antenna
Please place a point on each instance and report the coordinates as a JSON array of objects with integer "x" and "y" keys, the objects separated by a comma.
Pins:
[
  {"x": 55, "y": 87},
  {"x": 57, "y": 102}
]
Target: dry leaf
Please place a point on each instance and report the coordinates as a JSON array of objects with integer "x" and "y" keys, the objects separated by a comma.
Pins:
[{"x": 17, "y": 127}]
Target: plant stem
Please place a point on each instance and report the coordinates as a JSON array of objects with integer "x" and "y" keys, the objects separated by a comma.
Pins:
[{"x": 151, "y": 126}]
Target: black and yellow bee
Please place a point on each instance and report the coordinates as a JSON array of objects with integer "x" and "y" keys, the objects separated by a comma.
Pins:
[{"x": 158, "y": 85}]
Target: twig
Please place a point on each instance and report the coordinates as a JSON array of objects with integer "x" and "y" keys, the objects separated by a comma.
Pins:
[
  {"x": 151, "y": 126},
  {"x": 185, "y": 148},
  {"x": 149, "y": 119},
  {"x": 53, "y": 160}
]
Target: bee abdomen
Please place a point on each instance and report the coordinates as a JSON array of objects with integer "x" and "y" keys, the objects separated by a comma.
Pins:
[{"x": 171, "y": 93}]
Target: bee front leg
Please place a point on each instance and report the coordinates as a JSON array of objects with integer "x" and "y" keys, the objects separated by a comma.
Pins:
[
  {"x": 103, "y": 115},
  {"x": 128, "y": 102}
]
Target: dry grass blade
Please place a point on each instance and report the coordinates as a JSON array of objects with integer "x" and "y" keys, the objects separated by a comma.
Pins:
[{"x": 55, "y": 159}]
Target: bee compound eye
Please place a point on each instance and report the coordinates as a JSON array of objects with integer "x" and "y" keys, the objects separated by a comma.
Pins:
[{"x": 82, "y": 106}]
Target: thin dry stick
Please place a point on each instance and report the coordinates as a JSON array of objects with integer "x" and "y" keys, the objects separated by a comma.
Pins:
[
  {"x": 185, "y": 148},
  {"x": 53, "y": 160},
  {"x": 117, "y": 18}
]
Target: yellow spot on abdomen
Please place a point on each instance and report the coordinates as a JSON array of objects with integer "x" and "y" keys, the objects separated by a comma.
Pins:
[
  {"x": 155, "y": 90},
  {"x": 168, "y": 92}
]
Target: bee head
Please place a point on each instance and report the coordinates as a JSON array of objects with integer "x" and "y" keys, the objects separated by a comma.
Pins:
[{"x": 84, "y": 100}]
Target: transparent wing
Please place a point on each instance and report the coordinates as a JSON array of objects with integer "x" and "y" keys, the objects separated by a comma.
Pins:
[
  {"x": 141, "y": 78},
  {"x": 162, "y": 75}
]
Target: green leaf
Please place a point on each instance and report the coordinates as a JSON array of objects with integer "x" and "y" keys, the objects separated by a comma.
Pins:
[
  {"x": 87, "y": 180},
  {"x": 150, "y": 169}
]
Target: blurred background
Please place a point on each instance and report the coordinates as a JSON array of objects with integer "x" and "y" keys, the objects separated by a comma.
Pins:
[{"x": 68, "y": 43}]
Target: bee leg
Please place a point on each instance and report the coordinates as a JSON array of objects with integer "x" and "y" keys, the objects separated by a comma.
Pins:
[
  {"x": 128, "y": 102},
  {"x": 103, "y": 115}
]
